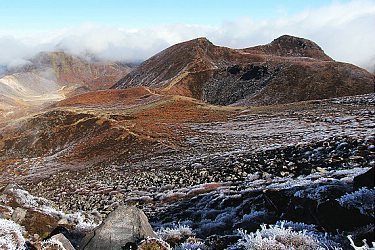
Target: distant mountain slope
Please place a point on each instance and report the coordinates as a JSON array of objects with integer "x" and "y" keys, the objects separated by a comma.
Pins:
[
  {"x": 69, "y": 70},
  {"x": 52, "y": 76},
  {"x": 289, "y": 69}
]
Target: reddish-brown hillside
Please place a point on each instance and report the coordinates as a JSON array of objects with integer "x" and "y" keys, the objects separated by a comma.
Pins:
[
  {"x": 105, "y": 127},
  {"x": 289, "y": 69},
  {"x": 107, "y": 98}
]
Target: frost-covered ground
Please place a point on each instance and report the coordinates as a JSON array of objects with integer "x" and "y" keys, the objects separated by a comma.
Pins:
[{"x": 262, "y": 166}]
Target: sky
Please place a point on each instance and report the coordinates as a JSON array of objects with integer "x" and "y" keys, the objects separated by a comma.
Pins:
[{"x": 134, "y": 30}]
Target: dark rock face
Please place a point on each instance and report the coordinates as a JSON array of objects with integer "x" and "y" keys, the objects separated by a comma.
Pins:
[
  {"x": 255, "y": 72},
  {"x": 124, "y": 225},
  {"x": 237, "y": 82},
  {"x": 332, "y": 216},
  {"x": 365, "y": 180}
]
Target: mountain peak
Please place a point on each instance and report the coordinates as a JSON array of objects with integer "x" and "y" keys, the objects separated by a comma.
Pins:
[
  {"x": 287, "y": 45},
  {"x": 200, "y": 42},
  {"x": 296, "y": 42}
]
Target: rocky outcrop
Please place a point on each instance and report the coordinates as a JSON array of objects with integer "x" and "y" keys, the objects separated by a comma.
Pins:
[
  {"x": 289, "y": 69},
  {"x": 123, "y": 226},
  {"x": 37, "y": 215}
]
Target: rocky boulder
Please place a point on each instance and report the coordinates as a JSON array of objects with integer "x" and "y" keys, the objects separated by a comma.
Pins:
[
  {"x": 39, "y": 217},
  {"x": 33, "y": 213},
  {"x": 123, "y": 226}
]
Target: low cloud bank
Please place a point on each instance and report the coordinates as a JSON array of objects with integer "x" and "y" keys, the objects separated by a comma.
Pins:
[{"x": 344, "y": 30}]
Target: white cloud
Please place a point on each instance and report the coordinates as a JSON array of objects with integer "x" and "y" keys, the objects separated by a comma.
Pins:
[{"x": 344, "y": 30}]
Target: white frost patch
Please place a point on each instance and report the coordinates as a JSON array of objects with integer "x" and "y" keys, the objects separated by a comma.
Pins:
[
  {"x": 176, "y": 233},
  {"x": 83, "y": 223},
  {"x": 314, "y": 178},
  {"x": 364, "y": 247},
  {"x": 278, "y": 237},
  {"x": 25, "y": 200},
  {"x": 54, "y": 243},
  {"x": 11, "y": 237}
]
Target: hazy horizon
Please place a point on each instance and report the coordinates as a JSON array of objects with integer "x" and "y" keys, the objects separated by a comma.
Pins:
[{"x": 134, "y": 31}]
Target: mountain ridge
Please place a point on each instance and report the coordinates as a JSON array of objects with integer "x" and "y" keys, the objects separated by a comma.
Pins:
[{"x": 225, "y": 76}]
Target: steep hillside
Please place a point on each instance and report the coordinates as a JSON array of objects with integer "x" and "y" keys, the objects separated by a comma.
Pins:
[{"x": 289, "y": 69}]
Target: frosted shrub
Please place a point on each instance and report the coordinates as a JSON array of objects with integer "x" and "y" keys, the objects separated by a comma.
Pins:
[
  {"x": 324, "y": 239},
  {"x": 297, "y": 226},
  {"x": 277, "y": 237},
  {"x": 191, "y": 244},
  {"x": 11, "y": 237},
  {"x": 175, "y": 235},
  {"x": 362, "y": 199},
  {"x": 253, "y": 216},
  {"x": 153, "y": 244}
]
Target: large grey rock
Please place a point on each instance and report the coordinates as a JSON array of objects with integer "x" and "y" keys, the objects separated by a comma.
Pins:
[{"x": 123, "y": 225}]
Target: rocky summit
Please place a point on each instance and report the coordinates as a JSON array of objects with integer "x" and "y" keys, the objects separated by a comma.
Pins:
[
  {"x": 199, "y": 147},
  {"x": 289, "y": 69}
]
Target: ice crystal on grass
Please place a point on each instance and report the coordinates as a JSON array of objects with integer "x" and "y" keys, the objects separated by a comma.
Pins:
[
  {"x": 153, "y": 244},
  {"x": 277, "y": 237},
  {"x": 362, "y": 199},
  {"x": 176, "y": 234},
  {"x": 364, "y": 247},
  {"x": 11, "y": 237},
  {"x": 324, "y": 239},
  {"x": 297, "y": 226},
  {"x": 253, "y": 216},
  {"x": 197, "y": 245}
]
